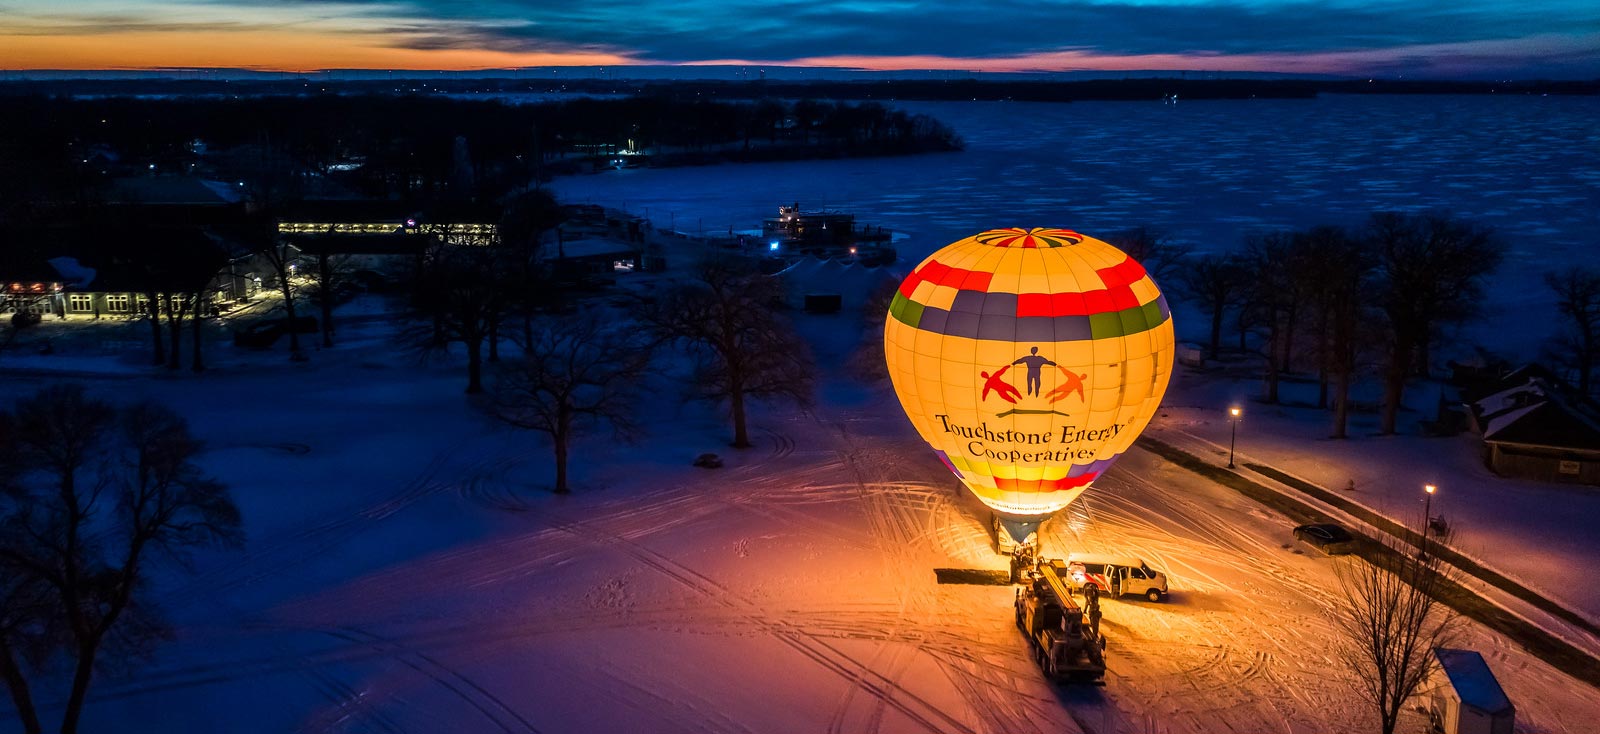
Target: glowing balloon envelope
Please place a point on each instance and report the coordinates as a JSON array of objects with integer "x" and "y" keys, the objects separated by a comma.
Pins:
[{"x": 1029, "y": 359}]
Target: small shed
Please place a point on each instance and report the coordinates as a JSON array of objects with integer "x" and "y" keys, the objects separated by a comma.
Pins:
[
  {"x": 829, "y": 286},
  {"x": 1535, "y": 426},
  {"x": 1191, "y": 354},
  {"x": 1465, "y": 698},
  {"x": 593, "y": 256}
]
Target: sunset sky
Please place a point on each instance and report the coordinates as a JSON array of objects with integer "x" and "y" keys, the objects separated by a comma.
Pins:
[{"x": 1389, "y": 38}]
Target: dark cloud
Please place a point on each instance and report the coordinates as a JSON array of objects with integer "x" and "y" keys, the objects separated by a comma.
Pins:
[
  {"x": 676, "y": 31},
  {"x": 698, "y": 30},
  {"x": 105, "y": 24}
]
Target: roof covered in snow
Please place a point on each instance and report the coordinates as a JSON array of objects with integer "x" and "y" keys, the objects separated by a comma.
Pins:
[
  {"x": 130, "y": 258},
  {"x": 1534, "y": 407},
  {"x": 1472, "y": 680}
]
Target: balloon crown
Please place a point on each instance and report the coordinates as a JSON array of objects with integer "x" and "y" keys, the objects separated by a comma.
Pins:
[{"x": 1034, "y": 237}]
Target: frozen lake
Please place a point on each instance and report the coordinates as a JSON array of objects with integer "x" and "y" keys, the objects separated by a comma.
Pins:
[{"x": 1204, "y": 172}]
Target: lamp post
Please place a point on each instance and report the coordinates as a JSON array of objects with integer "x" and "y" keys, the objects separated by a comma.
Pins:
[
  {"x": 1427, "y": 511},
  {"x": 1234, "y": 413}
]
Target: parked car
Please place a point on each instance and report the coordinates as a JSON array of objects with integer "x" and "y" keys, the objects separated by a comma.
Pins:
[
  {"x": 1330, "y": 538},
  {"x": 708, "y": 461},
  {"x": 1114, "y": 575}
]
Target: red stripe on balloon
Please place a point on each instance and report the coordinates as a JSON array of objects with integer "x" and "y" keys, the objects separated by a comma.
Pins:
[
  {"x": 1043, "y": 485},
  {"x": 1122, "y": 274},
  {"x": 1116, "y": 296}
]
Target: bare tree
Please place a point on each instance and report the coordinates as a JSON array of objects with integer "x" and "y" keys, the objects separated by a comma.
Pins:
[
  {"x": 99, "y": 490},
  {"x": 152, "y": 303},
  {"x": 1431, "y": 269},
  {"x": 1151, "y": 248},
  {"x": 1216, "y": 282},
  {"x": 1269, "y": 298},
  {"x": 330, "y": 286},
  {"x": 725, "y": 315},
  {"x": 457, "y": 294},
  {"x": 575, "y": 377},
  {"x": 198, "y": 364},
  {"x": 867, "y": 361},
  {"x": 1342, "y": 307},
  {"x": 1578, "y": 298},
  {"x": 284, "y": 258},
  {"x": 177, "y": 307},
  {"x": 1390, "y": 621},
  {"x": 526, "y": 219},
  {"x": 26, "y": 609}
]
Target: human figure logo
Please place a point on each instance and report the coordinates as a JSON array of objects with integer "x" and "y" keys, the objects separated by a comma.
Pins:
[{"x": 1071, "y": 383}]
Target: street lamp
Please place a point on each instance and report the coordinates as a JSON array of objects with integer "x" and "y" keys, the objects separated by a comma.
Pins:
[
  {"x": 1427, "y": 511},
  {"x": 1234, "y": 414}
]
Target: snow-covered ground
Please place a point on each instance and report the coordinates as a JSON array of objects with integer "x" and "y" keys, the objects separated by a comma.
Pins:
[
  {"x": 407, "y": 572},
  {"x": 1534, "y": 532}
]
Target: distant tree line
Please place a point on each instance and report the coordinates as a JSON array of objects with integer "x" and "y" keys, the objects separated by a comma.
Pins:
[
  {"x": 410, "y": 148},
  {"x": 1339, "y": 302},
  {"x": 1195, "y": 85}
]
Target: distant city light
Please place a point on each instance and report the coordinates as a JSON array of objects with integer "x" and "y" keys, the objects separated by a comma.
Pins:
[
  {"x": 411, "y": 222},
  {"x": 773, "y": 245}
]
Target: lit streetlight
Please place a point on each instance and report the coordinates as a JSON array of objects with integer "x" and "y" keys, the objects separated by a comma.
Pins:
[
  {"x": 1234, "y": 415},
  {"x": 1427, "y": 511}
]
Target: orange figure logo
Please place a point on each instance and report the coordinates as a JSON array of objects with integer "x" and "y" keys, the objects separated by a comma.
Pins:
[{"x": 1071, "y": 382}]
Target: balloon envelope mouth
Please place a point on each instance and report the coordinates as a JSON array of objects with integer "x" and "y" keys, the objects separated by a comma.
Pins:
[{"x": 1019, "y": 527}]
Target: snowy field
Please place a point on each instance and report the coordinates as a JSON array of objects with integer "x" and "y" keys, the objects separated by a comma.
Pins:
[
  {"x": 407, "y": 571},
  {"x": 1534, "y": 532}
]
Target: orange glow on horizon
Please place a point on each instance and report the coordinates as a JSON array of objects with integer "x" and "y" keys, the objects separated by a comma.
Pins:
[
  {"x": 303, "y": 50},
  {"x": 266, "y": 50}
]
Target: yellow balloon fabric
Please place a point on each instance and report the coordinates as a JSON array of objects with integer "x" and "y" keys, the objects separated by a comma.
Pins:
[{"x": 1029, "y": 359}]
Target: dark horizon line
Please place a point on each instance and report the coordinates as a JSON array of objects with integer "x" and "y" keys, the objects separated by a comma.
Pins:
[{"x": 708, "y": 72}]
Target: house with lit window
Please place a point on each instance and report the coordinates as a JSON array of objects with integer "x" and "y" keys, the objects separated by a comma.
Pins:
[
  {"x": 29, "y": 284},
  {"x": 96, "y": 271}
]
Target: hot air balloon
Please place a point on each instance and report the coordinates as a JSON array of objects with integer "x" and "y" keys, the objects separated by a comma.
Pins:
[{"x": 1029, "y": 360}]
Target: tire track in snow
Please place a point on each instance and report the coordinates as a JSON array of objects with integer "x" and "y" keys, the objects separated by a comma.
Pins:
[
  {"x": 828, "y": 657},
  {"x": 468, "y": 690},
  {"x": 901, "y": 514}
]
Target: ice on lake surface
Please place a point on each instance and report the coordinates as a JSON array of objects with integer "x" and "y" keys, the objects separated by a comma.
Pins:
[{"x": 1204, "y": 172}]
